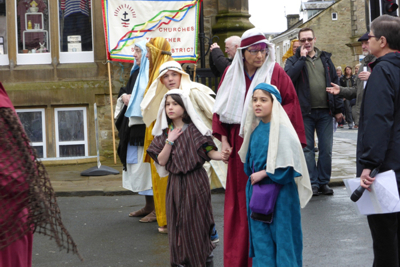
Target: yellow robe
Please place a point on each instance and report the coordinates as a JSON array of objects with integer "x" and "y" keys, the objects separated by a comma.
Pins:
[{"x": 159, "y": 183}]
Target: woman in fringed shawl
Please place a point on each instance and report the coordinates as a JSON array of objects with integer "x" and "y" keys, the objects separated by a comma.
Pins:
[
  {"x": 136, "y": 175},
  {"x": 294, "y": 44},
  {"x": 253, "y": 63},
  {"x": 27, "y": 200},
  {"x": 181, "y": 145},
  {"x": 272, "y": 153},
  {"x": 158, "y": 52}
]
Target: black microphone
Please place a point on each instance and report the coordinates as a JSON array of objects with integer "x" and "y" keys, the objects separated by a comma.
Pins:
[{"x": 360, "y": 190}]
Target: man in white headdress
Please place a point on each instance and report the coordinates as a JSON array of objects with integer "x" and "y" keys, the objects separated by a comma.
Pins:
[{"x": 253, "y": 63}]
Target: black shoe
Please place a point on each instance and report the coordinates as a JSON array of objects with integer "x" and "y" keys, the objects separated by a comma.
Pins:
[
  {"x": 316, "y": 149},
  {"x": 315, "y": 191},
  {"x": 325, "y": 189}
]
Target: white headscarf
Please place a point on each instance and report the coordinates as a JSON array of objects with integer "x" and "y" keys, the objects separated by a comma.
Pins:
[
  {"x": 283, "y": 139},
  {"x": 162, "y": 123},
  {"x": 231, "y": 94},
  {"x": 157, "y": 90}
]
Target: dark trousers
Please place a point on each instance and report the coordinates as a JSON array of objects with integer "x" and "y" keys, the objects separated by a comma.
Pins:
[
  {"x": 347, "y": 112},
  {"x": 385, "y": 231}
]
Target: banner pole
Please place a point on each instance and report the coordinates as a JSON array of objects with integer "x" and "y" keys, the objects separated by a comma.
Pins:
[{"x": 112, "y": 109}]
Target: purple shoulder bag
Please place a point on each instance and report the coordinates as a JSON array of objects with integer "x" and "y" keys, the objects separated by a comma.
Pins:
[{"x": 264, "y": 197}]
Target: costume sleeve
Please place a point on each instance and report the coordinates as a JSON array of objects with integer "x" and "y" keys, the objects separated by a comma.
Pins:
[
  {"x": 377, "y": 122},
  {"x": 294, "y": 66},
  {"x": 290, "y": 101},
  {"x": 247, "y": 164},
  {"x": 205, "y": 103},
  {"x": 201, "y": 142},
  {"x": 156, "y": 147},
  {"x": 283, "y": 175}
]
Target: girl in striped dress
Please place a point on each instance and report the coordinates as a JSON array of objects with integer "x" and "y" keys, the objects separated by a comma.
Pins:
[{"x": 181, "y": 145}]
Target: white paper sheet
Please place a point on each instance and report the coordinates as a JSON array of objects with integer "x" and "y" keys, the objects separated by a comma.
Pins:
[{"x": 384, "y": 197}]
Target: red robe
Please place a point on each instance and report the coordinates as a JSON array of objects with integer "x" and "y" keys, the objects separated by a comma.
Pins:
[{"x": 236, "y": 232}]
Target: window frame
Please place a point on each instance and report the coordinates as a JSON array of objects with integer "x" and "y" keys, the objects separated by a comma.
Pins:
[
  {"x": 44, "y": 140},
  {"x": 36, "y": 58},
  {"x": 85, "y": 131},
  {"x": 75, "y": 57}
]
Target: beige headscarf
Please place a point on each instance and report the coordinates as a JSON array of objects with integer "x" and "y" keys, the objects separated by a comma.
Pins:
[
  {"x": 198, "y": 93},
  {"x": 284, "y": 145}
]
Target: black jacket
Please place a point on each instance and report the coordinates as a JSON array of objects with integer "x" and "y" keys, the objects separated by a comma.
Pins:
[
  {"x": 378, "y": 142},
  {"x": 296, "y": 68},
  {"x": 343, "y": 81},
  {"x": 218, "y": 62},
  {"x": 133, "y": 135}
]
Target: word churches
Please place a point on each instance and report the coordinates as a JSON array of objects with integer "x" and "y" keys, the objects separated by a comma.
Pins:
[{"x": 177, "y": 29}]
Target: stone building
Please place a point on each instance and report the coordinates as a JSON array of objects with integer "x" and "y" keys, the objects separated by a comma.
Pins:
[
  {"x": 337, "y": 28},
  {"x": 54, "y": 81}
]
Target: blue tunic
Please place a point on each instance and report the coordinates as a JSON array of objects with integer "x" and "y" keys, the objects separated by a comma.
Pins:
[{"x": 281, "y": 242}]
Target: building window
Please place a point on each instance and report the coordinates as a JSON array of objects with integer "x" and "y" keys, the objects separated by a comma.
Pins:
[
  {"x": 75, "y": 31},
  {"x": 33, "y": 122},
  {"x": 3, "y": 34},
  {"x": 334, "y": 16},
  {"x": 33, "y": 32},
  {"x": 71, "y": 132}
]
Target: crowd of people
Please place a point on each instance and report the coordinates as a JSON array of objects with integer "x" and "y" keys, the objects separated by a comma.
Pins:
[{"x": 255, "y": 138}]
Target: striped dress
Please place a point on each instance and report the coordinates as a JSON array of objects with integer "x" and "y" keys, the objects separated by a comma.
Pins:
[{"x": 188, "y": 200}]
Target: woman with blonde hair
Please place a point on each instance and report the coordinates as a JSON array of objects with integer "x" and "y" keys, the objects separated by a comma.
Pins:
[{"x": 294, "y": 44}]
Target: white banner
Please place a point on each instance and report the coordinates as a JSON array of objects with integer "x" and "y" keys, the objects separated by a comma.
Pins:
[{"x": 130, "y": 21}]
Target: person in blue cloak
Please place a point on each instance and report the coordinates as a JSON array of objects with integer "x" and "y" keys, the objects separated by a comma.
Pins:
[{"x": 272, "y": 153}]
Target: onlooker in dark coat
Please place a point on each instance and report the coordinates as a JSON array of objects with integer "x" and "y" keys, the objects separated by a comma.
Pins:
[
  {"x": 379, "y": 132},
  {"x": 361, "y": 78},
  {"x": 218, "y": 61},
  {"x": 311, "y": 71},
  {"x": 348, "y": 80}
]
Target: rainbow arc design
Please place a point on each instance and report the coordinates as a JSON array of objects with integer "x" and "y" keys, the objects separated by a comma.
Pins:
[{"x": 143, "y": 30}]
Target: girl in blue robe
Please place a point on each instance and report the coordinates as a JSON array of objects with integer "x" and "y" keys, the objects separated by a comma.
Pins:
[{"x": 279, "y": 243}]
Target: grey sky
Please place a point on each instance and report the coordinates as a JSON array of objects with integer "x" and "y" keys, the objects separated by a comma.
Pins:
[{"x": 269, "y": 15}]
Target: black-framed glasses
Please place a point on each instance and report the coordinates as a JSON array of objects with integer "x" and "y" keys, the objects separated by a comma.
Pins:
[
  {"x": 370, "y": 36},
  {"x": 255, "y": 52},
  {"x": 309, "y": 39}
]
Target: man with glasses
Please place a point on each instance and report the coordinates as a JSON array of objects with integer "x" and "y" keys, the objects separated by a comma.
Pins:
[
  {"x": 379, "y": 132},
  {"x": 311, "y": 71}
]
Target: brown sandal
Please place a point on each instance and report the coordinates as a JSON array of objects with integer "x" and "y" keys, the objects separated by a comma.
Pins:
[
  {"x": 151, "y": 217},
  {"x": 140, "y": 213}
]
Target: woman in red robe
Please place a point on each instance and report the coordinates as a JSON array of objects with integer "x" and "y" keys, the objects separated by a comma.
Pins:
[
  {"x": 27, "y": 200},
  {"x": 253, "y": 63}
]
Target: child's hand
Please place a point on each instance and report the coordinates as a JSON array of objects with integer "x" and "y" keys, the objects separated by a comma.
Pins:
[
  {"x": 174, "y": 134},
  {"x": 258, "y": 176},
  {"x": 225, "y": 155}
]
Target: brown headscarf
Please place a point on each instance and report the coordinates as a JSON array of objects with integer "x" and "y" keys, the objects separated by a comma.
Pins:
[{"x": 27, "y": 199}]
